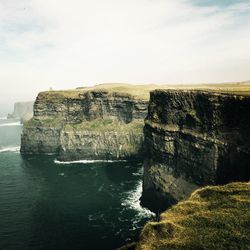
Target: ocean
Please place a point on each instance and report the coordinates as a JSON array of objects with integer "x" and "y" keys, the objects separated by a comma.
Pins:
[{"x": 47, "y": 204}]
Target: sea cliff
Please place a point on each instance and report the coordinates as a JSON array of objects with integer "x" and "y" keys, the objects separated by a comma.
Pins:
[
  {"x": 193, "y": 138},
  {"x": 87, "y": 124}
]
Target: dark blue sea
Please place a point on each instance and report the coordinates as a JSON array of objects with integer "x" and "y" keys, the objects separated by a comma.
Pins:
[{"x": 48, "y": 205}]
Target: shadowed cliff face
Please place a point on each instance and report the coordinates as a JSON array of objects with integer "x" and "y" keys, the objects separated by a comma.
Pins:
[
  {"x": 95, "y": 124},
  {"x": 194, "y": 138}
]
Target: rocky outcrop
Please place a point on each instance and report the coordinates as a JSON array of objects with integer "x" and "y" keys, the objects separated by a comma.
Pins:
[
  {"x": 86, "y": 124},
  {"x": 212, "y": 218},
  {"x": 22, "y": 110},
  {"x": 193, "y": 138}
]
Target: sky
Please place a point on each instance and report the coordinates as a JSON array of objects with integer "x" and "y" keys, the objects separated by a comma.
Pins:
[{"x": 64, "y": 44}]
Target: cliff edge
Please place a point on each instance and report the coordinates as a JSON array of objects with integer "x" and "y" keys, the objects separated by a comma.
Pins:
[
  {"x": 194, "y": 138},
  {"x": 212, "y": 218}
]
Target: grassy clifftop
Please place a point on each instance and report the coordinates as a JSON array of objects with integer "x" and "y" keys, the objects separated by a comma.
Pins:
[
  {"x": 142, "y": 91},
  {"x": 215, "y": 217},
  {"x": 137, "y": 91}
]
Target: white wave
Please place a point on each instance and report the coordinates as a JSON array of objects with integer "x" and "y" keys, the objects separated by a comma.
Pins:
[
  {"x": 11, "y": 124},
  {"x": 10, "y": 149},
  {"x": 86, "y": 161},
  {"x": 132, "y": 201},
  {"x": 3, "y": 118}
]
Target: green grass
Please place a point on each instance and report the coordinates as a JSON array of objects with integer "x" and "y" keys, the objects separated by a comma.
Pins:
[
  {"x": 96, "y": 125},
  {"x": 212, "y": 218},
  {"x": 106, "y": 125},
  {"x": 49, "y": 122}
]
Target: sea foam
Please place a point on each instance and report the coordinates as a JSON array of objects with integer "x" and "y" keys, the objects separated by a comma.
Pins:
[
  {"x": 10, "y": 124},
  {"x": 10, "y": 149},
  {"x": 86, "y": 161},
  {"x": 132, "y": 199}
]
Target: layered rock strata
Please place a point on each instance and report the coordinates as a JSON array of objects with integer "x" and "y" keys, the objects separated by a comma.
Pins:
[
  {"x": 193, "y": 138},
  {"x": 96, "y": 124},
  {"x": 102, "y": 139}
]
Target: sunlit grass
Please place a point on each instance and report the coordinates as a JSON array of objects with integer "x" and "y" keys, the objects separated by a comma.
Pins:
[
  {"x": 143, "y": 91},
  {"x": 212, "y": 218}
]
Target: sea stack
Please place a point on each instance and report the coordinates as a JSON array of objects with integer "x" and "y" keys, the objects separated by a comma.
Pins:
[{"x": 22, "y": 111}]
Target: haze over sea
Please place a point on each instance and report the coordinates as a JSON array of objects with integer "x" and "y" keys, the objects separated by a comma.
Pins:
[{"x": 46, "y": 205}]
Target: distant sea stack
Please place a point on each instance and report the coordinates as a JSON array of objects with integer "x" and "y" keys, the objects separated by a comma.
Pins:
[
  {"x": 104, "y": 122},
  {"x": 22, "y": 111},
  {"x": 193, "y": 139}
]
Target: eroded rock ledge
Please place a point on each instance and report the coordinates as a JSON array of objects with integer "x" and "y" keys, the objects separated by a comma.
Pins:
[
  {"x": 192, "y": 139},
  {"x": 86, "y": 124}
]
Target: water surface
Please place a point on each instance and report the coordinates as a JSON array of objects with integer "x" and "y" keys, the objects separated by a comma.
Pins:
[{"x": 46, "y": 205}]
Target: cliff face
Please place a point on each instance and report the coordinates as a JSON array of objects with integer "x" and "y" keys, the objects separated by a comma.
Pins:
[
  {"x": 22, "y": 110},
  {"x": 194, "y": 138},
  {"x": 102, "y": 139},
  {"x": 96, "y": 124},
  {"x": 212, "y": 218},
  {"x": 89, "y": 105},
  {"x": 41, "y": 136}
]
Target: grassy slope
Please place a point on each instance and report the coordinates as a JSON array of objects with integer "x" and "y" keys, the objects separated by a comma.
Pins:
[
  {"x": 48, "y": 123},
  {"x": 212, "y": 218},
  {"x": 142, "y": 91},
  {"x": 102, "y": 125}
]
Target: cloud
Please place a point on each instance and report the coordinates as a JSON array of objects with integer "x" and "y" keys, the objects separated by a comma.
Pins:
[{"x": 64, "y": 44}]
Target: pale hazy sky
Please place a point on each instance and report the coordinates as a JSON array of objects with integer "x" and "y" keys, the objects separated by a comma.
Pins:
[{"x": 69, "y": 43}]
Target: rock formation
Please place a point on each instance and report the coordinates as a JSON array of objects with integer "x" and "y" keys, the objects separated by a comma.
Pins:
[
  {"x": 86, "y": 124},
  {"x": 212, "y": 218},
  {"x": 194, "y": 138},
  {"x": 22, "y": 111},
  {"x": 191, "y": 138}
]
